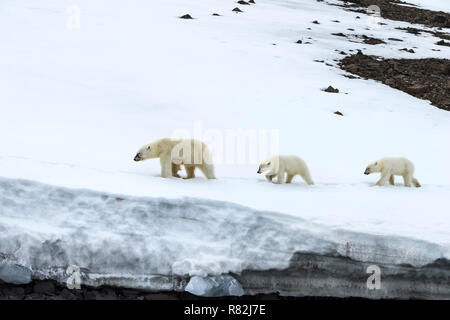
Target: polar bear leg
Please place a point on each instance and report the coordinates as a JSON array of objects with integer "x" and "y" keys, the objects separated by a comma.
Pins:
[
  {"x": 269, "y": 177},
  {"x": 384, "y": 179},
  {"x": 392, "y": 180},
  {"x": 175, "y": 169},
  {"x": 166, "y": 166},
  {"x": 280, "y": 177},
  {"x": 407, "y": 179},
  {"x": 190, "y": 171},
  {"x": 416, "y": 182},
  {"x": 305, "y": 175},
  {"x": 289, "y": 178},
  {"x": 208, "y": 170}
]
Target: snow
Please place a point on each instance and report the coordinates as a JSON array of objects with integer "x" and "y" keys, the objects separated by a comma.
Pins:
[
  {"x": 79, "y": 102},
  {"x": 139, "y": 241}
]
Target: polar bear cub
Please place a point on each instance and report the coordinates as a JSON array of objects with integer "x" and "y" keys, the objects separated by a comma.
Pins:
[
  {"x": 390, "y": 167},
  {"x": 280, "y": 165},
  {"x": 173, "y": 153}
]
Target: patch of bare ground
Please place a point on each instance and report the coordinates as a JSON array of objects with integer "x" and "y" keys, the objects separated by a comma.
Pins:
[
  {"x": 401, "y": 11},
  {"x": 427, "y": 79}
]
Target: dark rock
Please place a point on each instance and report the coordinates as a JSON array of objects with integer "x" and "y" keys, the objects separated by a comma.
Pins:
[
  {"x": 252, "y": 1},
  {"x": 159, "y": 296},
  {"x": 338, "y": 113},
  {"x": 67, "y": 295},
  {"x": 395, "y": 39},
  {"x": 186, "y": 16},
  {"x": 106, "y": 294},
  {"x": 245, "y": 3},
  {"x": 44, "y": 287},
  {"x": 340, "y": 34},
  {"x": 443, "y": 43},
  {"x": 371, "y": 41},
  {"x": 90, "y": 295},
  {"x": 13, "y": 293},
  {"x": 299, "y": 41},
  {"x": 316, "y": 22},
  {"x": 331, "y": 89},
  {"x": 407, "y": 50},
  {"x": 413, "y": 31},
  {"x": 236, "y": 10},
  {"x": 216, "y": 14}
]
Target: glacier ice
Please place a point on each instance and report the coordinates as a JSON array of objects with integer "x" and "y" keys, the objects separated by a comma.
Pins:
[
  {"x": 224, "y": 285},
  {"x": 14, "y": 273}
]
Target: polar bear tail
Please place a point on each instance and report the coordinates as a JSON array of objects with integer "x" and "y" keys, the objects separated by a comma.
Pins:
[{"x": 416, "y": 182}]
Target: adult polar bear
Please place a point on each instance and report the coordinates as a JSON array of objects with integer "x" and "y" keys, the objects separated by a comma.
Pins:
[
  {"x": 173, "y": 153},
  {"x": 390, "y": 167}
]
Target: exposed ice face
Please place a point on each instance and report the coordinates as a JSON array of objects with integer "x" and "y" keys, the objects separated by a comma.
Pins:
[
  {"x": 11, "y": 272},
  {"x": 224, "y": 285},
  {"x": 143, "y": 242}
]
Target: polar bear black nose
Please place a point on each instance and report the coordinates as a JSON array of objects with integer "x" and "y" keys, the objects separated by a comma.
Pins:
[{"x": 137, "y": 157}]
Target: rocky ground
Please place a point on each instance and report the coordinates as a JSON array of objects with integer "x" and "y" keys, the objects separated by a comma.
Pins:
[
  {"x": 394, "y": 10},
  {"x": 423, "y": 78},
  {"x": 51, "y": 290}
]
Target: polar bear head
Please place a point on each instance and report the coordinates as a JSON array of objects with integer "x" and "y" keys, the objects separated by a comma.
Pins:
[
  {"x": 269, "y": 166},
  {"x": 373, "y": 167},
  {"x": 147, "y": 151}
]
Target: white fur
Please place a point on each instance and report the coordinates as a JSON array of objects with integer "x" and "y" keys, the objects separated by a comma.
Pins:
[
  {"x": 390, "y": 167},
  {"x": 173, "y": 153},
  {"x": 280, "y": 165}
]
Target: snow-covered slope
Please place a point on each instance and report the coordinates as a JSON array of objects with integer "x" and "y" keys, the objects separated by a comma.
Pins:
[{"x": 77, "y": 103}]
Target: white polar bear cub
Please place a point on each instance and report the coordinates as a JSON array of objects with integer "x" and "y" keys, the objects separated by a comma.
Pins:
[
  {"x": 279, "y": 165},
  {"x": 173, "y": 153},
  {"x": 390, "y": 167}
]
